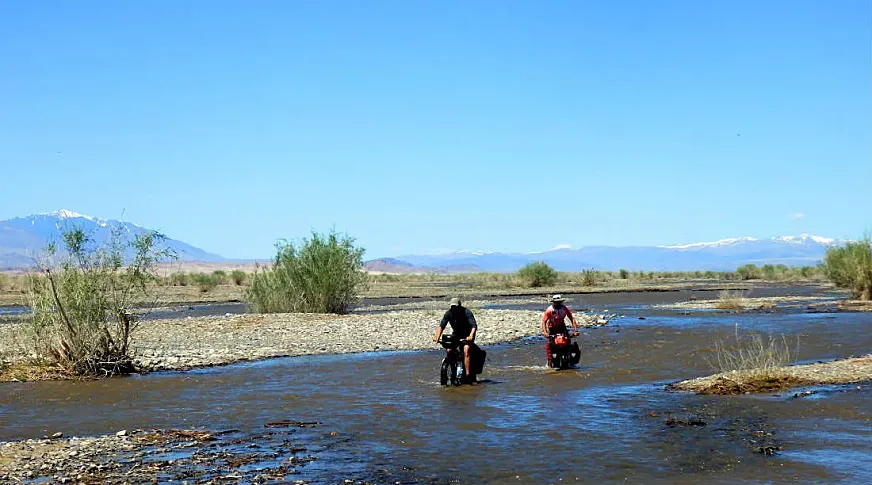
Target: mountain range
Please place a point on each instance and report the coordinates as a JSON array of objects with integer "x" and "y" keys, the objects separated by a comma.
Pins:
[
  {"x": 723, "y": 255},
  {"x": 23, "y": 238}
]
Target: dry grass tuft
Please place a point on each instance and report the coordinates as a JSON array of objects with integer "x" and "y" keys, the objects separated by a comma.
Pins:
[
  {"x": 754, "y": 352},
  {"x": 731, "y": 300}
]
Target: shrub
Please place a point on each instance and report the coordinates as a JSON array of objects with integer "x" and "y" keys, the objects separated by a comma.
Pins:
[
  {"x": 81, "y": 301},
  {"x": 590, "y": 277},
  {"x": 749, "y": 272},
  {"x": 219, "y": 276},
  {"x": 4, "y": 282},
  {"x": 206, "y": 282},
  {"x": 179, "y": 279},
  {"x": 319, "y": 275},
  {"x": 537, "y": 274},
  {"x": 850, "y": 266},
  {"x": 623, "y": 274},
  {"x": 238, "y": 276}
]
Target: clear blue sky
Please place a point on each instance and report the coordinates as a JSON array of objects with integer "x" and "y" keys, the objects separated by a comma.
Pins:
[{"x": 414, "y": 126}]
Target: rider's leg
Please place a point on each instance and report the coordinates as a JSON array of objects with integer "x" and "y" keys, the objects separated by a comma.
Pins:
[
  {"x": 548, "y": 352},
  {"x": 466, "y": 359}
]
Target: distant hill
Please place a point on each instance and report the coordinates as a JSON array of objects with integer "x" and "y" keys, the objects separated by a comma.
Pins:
[
  {"x": 391, "y": 265},
  {"x": 23, "y": 238},
  {"x": 723, "y": 255}
]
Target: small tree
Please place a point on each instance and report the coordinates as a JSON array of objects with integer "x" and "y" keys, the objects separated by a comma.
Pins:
[
  {"x": 850, "y": 266},
  {"x": 537, "y": 274},
  {"x": 81, "y": 300},
  {"x": 322, "y": 274},
  {"x": 624, "y": 274}
]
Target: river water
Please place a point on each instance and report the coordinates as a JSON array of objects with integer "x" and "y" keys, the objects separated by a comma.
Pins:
[{"x": 609, "y": 420}]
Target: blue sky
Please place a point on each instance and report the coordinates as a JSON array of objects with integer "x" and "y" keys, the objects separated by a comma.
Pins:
[{"x": 415, "y": 126}]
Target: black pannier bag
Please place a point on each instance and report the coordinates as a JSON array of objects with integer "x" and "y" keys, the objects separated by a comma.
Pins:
[
  {"x": 478, "y": 359},
  {"x": 576, "y": 353}
]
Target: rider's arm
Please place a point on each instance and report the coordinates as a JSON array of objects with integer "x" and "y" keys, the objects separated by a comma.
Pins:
[
  {"x": 545, "y": 318},
  {"x": 572, "y": 319},
  {"x": 441, "y": 327},
  {"x": 473, "y": 326}
]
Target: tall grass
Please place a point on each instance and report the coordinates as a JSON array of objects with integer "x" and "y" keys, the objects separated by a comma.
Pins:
[
  {"x": 322, "y": 274},
  {"x": 850, "y": 266}
]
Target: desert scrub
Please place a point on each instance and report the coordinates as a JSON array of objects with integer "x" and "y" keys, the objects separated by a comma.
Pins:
[
  {"x": 219, "y": 276},
  {"x": 205, "y": 282},
  {"x": 238, "y": 276},
  {"x": 321, "y": 274},
  {"x": 590, "y": 277},
  {"x": 179, "y": 279},
  {"x": 82, "y": 300},
  {"x": 850, "y": 266},
  {"x": 537, "y": 274}
]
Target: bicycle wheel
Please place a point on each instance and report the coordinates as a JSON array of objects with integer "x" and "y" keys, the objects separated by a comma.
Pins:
[
  {"x": 455, "y": 379},
  {"x": 444, "y": 372}
]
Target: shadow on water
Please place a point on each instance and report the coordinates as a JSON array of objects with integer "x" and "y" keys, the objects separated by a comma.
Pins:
[{"x": 610, "y": 419}]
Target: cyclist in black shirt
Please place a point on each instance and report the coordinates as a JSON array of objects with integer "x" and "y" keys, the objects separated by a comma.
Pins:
[{"x": 463, "y": 326}]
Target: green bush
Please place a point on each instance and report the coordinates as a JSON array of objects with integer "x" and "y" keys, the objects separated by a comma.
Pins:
[
  {"x": 850, "y": 266},
  {"x": 537, "y": 274},
  {"x": 238, "y": 276},
  {"x": 206, "y": 282},
  {"x": 322, "y": 274},
  {"x": 590, "y": 277},
  {"x": 82, "y": 300},
  {"x": 624, "y": 274},
  {"x": 179, "y": 279},
  {"x": 219, "y": 276},
  {"x": 749, "y": 272}
]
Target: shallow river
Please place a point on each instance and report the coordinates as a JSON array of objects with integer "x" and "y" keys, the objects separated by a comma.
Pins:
[{"x": 603, "y": 422}]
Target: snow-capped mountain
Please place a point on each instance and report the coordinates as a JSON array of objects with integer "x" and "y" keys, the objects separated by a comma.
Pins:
[
  {"x": 723, "y": 255},
  {"x": 801, "y": 239},
  {"x": 23, "y": 238}
]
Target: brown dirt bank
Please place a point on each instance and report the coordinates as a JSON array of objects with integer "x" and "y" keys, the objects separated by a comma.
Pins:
[{"x": 844, "y": 371}]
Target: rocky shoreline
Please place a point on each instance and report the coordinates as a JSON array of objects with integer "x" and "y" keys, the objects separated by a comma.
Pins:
[{"x": 278, "y": 453}]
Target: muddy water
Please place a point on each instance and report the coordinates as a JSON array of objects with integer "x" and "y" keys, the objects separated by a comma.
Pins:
[{"x": 609, "y": 420}]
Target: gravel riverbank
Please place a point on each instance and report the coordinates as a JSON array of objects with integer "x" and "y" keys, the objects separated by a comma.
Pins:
[{"x": 178, "y": 344}]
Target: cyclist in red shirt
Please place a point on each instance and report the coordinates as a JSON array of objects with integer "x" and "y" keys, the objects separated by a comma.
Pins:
[{"x": 553, "y": 322}]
